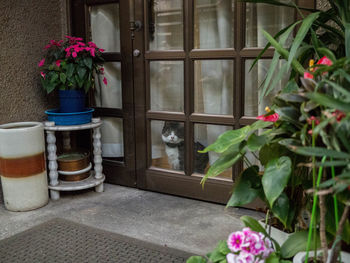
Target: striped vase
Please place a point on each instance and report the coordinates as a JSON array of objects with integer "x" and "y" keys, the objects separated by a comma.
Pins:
[{"x": 22, "y": 166}]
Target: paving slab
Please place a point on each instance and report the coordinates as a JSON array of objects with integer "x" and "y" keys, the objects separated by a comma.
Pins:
[{"x": 181, "y": 223}]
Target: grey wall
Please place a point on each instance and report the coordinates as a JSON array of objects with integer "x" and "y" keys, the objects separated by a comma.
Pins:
[{"x": 26, "y": 26}]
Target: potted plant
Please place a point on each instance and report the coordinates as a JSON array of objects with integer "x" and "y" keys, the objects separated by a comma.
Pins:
[
  {"x": 70, "y": 66},
  {"x": 287, "y": 173}
]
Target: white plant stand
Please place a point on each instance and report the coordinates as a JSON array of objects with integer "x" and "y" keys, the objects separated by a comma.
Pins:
[{"x": 96, "y": 177}]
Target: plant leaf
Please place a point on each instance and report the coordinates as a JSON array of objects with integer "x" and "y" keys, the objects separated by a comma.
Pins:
[
  {"x": 318, "y": 151},
  {"x": 196, "y": 259},
  {"x": 247, "y": 187},
  {"x": 328, "y": 101},
  {"x": 227, "y": 139},
  {"x": 281, "y": 209},
  {"x": 296, "y": 243},
  {"x": 275, "y": 178},
  {"x": 255, "y": 142},
  {"x": 304, "y": 28}
]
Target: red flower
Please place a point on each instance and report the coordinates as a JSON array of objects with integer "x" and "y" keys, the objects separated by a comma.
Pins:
[
  {"x": 308, "y": 75},
  {"x": 339, "y": 115},
  {"x": 313, "y": 118},
  {"x": 273, "y": 118},
  {"x": 41, "y": 63},
  {"x": 105, "y": 81},
  {"x": 325, "y": 61},
  {"x": 42, "y": 74},
  {"x": 58, "y": 63}
]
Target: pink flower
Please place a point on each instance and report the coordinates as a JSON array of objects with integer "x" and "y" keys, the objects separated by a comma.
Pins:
[
  {"x": 58, "y": 63},
  {"x": 325, "y": 61},
  {"x": 244, "y": 257},
  {"x": 92, "y": 44},
  {"x": 235, "y": 241},
  {"x": 102, "y": 71},
  {"x": 92, "y": 52},
  {"x": 41, "y": 63},
  {"x": 273, "y": 118},
  {"x": 101, "y": 50},
  {"x": 105, "y": 81},
  {"x": 308, "y": 75},
  {"x": 42, "y": 74},
  {"x": 74, "y": 54},
  {"x": 231, "y": 258}
]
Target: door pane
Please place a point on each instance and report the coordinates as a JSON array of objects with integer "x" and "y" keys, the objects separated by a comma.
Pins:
[
  {"x": 167, "y": 20},
  {"x": 110, "y": 95},
  {"x": 265, "y": 17},
  {"x": 213, "y": 86},
  {"x": 213, "y": 24},
  {"x": 253, "y": 80},
  {"x": 105, "y": 30},
  {"x": 167, "y": 85},
  {"x": 204, "y": 135},
  {"x": 112, "y": 138},
  {"x": 168, "y": 145}
]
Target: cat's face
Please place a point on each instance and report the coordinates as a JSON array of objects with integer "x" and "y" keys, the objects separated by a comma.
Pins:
[{"x": 173, "y": 132}]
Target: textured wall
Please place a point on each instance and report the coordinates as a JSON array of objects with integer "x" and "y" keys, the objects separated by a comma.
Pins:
[{"x": 26, "y": 26}]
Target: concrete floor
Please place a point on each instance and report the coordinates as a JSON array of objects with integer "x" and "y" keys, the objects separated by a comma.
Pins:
[{"x": 190, "y": 225}]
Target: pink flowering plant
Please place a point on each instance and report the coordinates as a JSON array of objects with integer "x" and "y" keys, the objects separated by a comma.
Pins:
[{"x": 70, "y": 64}]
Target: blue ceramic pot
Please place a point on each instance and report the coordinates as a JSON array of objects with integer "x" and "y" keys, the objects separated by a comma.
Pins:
[{"x": 72, "y": 100}]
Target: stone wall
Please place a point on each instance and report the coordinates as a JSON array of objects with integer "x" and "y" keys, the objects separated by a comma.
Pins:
[{"x": 25, "y": 28}]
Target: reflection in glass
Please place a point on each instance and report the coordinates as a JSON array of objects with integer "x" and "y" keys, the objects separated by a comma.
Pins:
[
  {"x": 213, "y": 86},
  {"x": 167, "y": 85},
  {"x": 168, "y": 145},
  {"x": 166, "y": 25},
  {"x": 110, "y": 95},
  {"x": 265, "y": 17},
  {"x": 105, "y": 30},
  {"x": 253, "y": 80},
  {"x": 213, "y": 24},
  {"x": 206, "y": 135},
  {"x": 112, "y": 137}
]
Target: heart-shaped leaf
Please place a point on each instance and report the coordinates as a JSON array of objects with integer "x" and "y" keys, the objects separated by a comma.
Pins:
[{"x": 275, "y": 178}]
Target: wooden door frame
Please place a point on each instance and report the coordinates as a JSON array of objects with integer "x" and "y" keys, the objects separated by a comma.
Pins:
[{"x": 122, "y": 173}]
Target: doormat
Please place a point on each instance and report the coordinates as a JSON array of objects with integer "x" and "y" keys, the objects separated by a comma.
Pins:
[{"x": 60, "y": 240}]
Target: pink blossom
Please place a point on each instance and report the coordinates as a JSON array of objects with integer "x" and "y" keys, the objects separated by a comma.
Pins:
[
  {"x": 272, "y": 118},
  {"x": 105, "y": 81},
  {"x": 101, "y": 50},
  {"x": 42, "y": 74},
  {"x": 92, "y": 44},
  {"x": 231, "y": 258},
  {"x": 308, "y": 75},
  {"x": 235, "y": 241},
  {"x": 58, "y": 63},
  {"x": 244, "y": 257},
  {"x": 325, "y": 61},
  {"x": 102, "y": 71},
  {"x": 92, "y": 52},
  {"x": 41, "y": 63},
  {"x": 74, "y": 54}
]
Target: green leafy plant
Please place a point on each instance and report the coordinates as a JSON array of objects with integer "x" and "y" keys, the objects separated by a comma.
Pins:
[{"x": 70, "y": 64}]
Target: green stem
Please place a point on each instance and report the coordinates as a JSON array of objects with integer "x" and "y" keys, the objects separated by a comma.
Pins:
[
  {"x": 313, "y": 214},
  {"x": 335, "y": 203}
]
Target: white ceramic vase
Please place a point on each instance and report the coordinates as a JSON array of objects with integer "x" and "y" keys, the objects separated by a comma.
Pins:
[
  {"x": 22, "y": 166},
  {"x": 300, "y": 257}
]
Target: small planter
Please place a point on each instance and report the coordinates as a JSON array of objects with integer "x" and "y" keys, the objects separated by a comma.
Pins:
[
  {"x": 72, "y": 101},
  {"x": 276, "y": 234},
  {"x": 300, "y": 257},
  {"x": 71, "y": 118}
]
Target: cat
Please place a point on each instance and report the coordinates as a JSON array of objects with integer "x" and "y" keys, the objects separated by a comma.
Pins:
[{"x": 173, "y": 137}]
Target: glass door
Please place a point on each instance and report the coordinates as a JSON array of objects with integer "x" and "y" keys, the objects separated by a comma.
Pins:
[
  {"x": 106, "y": 23},
  {"x": 196, "y": 85}
]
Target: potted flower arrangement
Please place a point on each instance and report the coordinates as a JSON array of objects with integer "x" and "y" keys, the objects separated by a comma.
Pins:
[
  {"x": 304, "y": 138},
  {"x": 70, "y": 66}
]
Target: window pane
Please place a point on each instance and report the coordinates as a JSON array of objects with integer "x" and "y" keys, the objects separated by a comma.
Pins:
[
  {"x": 110, "y": 95},
  {"x": 213, "y": 86},
  {"x": 167, "y": 85},
  {"x": 265, "y": 17},
  {"x": 112, "y": 138},
  {"x": 105, "y": 30},
  {"x": 168, "y": 145},
  {"x": 205, "y": 135},
  {"x": 253, "y": 80},
  {"x": 213, "y": 24},
  {"x": 167, "y": 18}
]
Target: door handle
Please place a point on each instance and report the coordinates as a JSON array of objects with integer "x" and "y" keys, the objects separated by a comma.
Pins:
[{"x": 136, "y": 52}]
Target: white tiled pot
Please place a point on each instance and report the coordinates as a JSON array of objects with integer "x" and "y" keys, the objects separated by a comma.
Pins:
[{"x": 300, "y": 257}]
